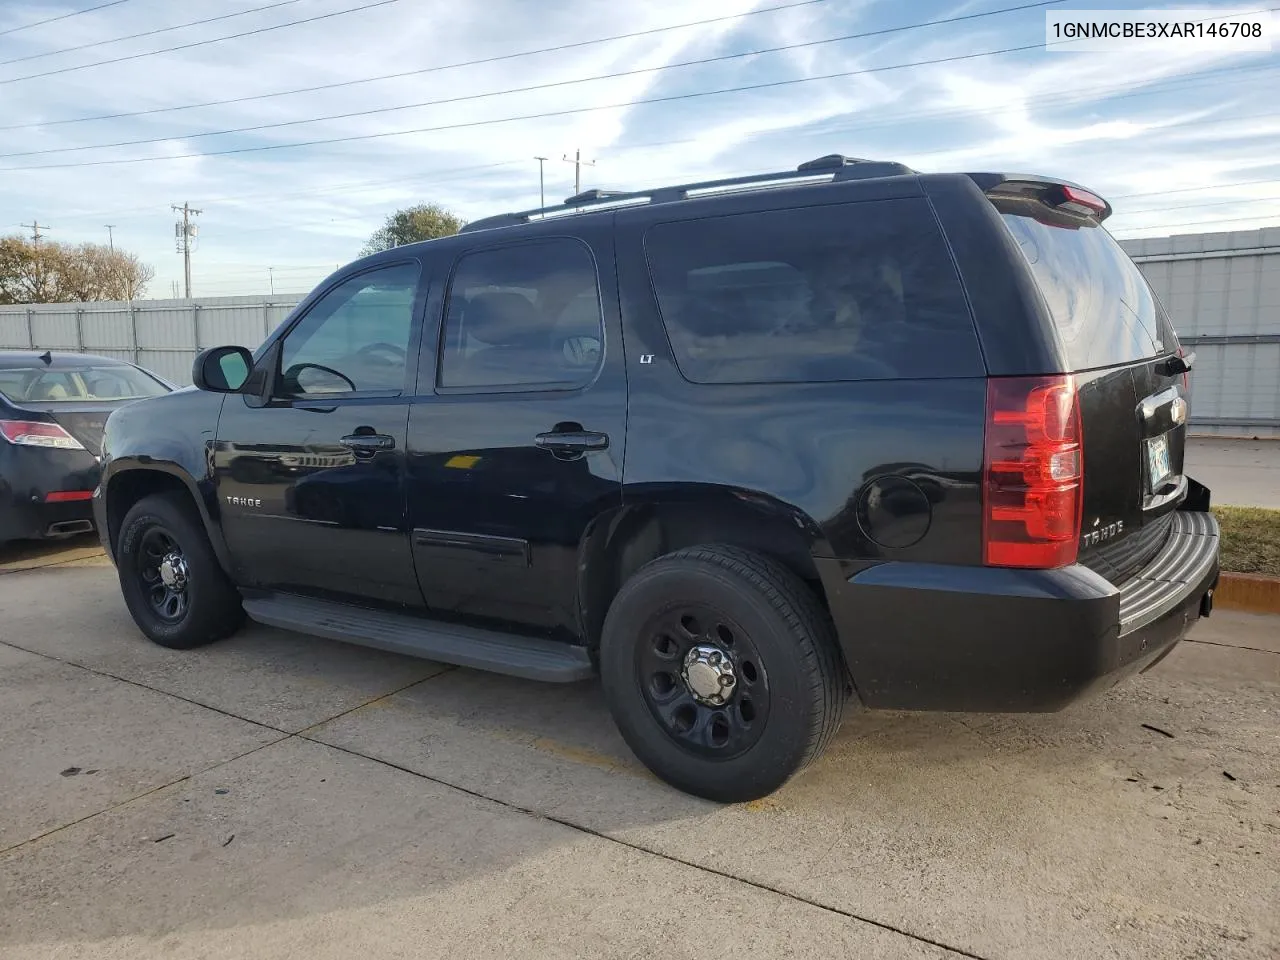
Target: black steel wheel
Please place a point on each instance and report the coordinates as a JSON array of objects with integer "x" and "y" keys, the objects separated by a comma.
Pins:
[
  {"x": 162, "y": 567},
  {"x": 722, "y": 672},
  {"x": 705, "y": 680},
  {"x": 174, "y": 587}
]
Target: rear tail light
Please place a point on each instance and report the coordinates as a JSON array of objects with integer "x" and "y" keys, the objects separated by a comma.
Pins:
[
  {"x": 1186, "y": 374},
  {"x": 26, "y": 433},
  {"x": 1033, "y": 472}
]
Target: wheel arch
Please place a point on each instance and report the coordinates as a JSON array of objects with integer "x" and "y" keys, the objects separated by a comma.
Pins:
[
  {"x": 654, "y": 523},
  {"x": 130, "y": 481}
]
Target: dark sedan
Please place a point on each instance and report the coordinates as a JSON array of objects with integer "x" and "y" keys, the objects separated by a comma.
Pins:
[{"x": 52, "y": 410}]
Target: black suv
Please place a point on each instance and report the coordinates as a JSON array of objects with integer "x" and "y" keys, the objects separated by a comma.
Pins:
[{"x": 756, "y": 450}]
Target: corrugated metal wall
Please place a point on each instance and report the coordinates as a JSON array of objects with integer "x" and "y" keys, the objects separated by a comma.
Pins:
[
  {"x": 162, "y": 335},
  {"x": 1222, "y": 291}
]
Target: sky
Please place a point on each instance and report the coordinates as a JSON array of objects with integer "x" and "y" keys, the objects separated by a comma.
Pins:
[{"x": 1178, "y": 141}]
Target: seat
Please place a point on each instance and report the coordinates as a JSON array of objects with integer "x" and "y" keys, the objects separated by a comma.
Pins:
[
  {"x": 515, "y": 346},
  {"x": 48, "y": 390}
]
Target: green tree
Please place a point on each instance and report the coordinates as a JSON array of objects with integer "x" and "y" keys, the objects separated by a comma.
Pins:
[{"x": 426, "y": 221}]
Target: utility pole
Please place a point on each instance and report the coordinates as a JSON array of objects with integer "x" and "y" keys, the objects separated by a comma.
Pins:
[
  {"x": 542, "y": 190},
  {"x": 111, "y": 240},
  {"x": 185, "y": 232},
  {"x": 35, "y": 228},
  {"x": 578, "y": 164},
  {"x": 271, "y": 277},
  {"x": 36, "y": 237}
]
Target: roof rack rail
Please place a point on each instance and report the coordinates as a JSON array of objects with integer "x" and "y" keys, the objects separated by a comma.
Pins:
[{"x": 833, "y": 167}]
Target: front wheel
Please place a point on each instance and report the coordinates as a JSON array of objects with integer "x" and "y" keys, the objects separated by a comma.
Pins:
[
  {"x": 722, "y": 672},
  {"x": 172, "y": 583}
]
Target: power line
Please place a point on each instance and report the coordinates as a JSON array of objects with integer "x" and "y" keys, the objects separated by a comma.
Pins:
[
  {"x": 435, "y": 175},
  {"x": 1193, "y": 206},
  {"x": 202, "y": 43},
  {"x": 775, "y": 84},
  {"x": 1214, "y": 186},
  {"x": 1201, "y": 223},
  {"x": 527, "y": 89},
  {"x": 533, "y": 116},
  {"x": 64, "y": 16},
  {"x": 149, "y": 33},
  {"x": 1079, "y": 94},
  {"x": 412, "y": 73}
]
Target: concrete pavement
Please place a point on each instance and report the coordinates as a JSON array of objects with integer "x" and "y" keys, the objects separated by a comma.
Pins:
[
  {"x": 1240, "y": 473},
  {"x": 277, "y": 795}
]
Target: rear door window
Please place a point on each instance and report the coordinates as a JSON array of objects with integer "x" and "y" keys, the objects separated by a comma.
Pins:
[
  {"x": 1102, "y": 305},
  {"x": 526, "y": 315},
  {"x": 841, "y": 292}
]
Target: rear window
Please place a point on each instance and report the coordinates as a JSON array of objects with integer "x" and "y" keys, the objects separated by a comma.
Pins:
[
  {"x": 107, "y": 382},
  {"x": 859, "y": 291},
  {"x": 1101, "y": 303}
]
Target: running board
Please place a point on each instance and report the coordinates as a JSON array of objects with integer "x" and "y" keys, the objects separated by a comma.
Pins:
[{"x": 512, "y": 654}]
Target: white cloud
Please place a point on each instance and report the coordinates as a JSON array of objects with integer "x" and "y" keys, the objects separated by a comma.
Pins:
[{"x": 1120, "y": 124}]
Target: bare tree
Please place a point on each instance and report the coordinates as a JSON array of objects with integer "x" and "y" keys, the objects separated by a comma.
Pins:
[{"x": 57, "y": 272}]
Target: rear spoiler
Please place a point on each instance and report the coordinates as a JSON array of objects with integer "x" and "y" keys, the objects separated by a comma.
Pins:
[{"x": 1062, "y": 194}]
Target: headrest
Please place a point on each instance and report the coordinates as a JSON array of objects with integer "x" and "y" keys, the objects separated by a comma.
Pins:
[{"x": 502, "y": 319}]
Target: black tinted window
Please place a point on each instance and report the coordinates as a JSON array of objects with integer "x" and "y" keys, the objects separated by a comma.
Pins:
[
  {"x": 1102, "y": 305},
  {"x": 355, "y": 338},
  {"x": 844, "y": 292},
  {"x": 527, "y": 314}
]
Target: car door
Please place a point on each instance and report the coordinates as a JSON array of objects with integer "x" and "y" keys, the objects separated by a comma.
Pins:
[
  {"x": 516, "y": 439},
  {"x": 310, "y": 474}
]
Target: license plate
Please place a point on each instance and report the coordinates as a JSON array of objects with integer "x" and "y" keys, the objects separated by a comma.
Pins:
[{"x": 1158, "y": 461}]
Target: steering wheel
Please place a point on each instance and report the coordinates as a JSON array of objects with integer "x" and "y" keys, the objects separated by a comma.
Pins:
[{"x": 399, "y": 354}]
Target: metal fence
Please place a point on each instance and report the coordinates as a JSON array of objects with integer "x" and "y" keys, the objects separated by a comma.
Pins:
[
  {"x": 161, "y": 335},
  {"x": 1222, "y": 290}
]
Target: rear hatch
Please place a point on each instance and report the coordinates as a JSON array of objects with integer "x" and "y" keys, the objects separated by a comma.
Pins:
[{"x": 1129, "y": 369}]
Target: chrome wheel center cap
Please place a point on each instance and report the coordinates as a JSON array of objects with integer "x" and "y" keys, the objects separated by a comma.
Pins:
[
  {"x": 709, "y": 675},
  {"x": 173, "y": 571}
]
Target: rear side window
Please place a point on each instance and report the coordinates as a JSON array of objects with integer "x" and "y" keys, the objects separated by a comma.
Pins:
[
  {"x": 1101, "y": 304},
  {"x": 859, "y": 291},
  {"x": 523, "y": 315}
]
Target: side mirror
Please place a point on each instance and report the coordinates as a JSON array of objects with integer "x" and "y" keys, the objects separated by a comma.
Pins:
[{"x": 222, "y": 369}]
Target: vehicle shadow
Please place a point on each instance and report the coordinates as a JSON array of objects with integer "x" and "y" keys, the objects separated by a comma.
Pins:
[{"x": 27, "y": 554}]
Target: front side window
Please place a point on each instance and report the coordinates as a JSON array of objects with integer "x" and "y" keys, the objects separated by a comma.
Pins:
[
  {"x": 355, "y": 339},
  {"x": 855, "y": 291},
  {"x": 524, "y": 315}
]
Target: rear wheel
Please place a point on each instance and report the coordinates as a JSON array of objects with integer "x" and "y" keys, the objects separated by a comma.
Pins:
[
  {"x": 171, "y": 580},
  {"x": 722, "y": 672}
]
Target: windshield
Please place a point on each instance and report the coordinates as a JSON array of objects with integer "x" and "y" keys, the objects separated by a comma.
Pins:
[
  {"x": 38, "y": 384},
  {"x": 1101, "y": 303}
]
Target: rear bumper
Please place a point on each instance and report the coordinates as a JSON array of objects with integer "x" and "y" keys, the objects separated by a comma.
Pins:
[
  {"x": 932, "y": 637},
  {"x": 28, "y": 476}
]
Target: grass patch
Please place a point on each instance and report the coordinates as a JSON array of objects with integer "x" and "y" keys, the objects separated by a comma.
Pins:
[{"x": 1250, "y": 540}]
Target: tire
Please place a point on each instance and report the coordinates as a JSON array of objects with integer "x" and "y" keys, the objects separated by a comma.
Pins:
[
  {"x": 201, "y": 605},
  {"x": 788, "y": 685}
]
